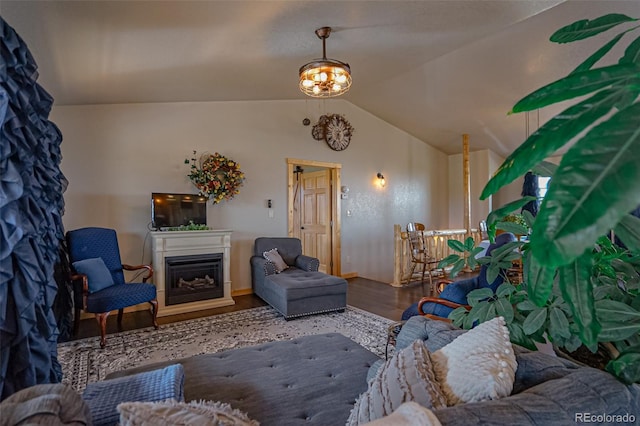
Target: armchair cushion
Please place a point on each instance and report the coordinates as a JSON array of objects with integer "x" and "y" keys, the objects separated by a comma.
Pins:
[
  {"x": 274, "y": 257},
  {"x": 98, "y": 275},
  {"x": 120, "y": 296}
]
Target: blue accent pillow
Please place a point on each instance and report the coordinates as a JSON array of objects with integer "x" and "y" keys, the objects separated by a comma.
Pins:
[
  {"x": 97, "y": 273},
  {"x": 157, "y": 385}
]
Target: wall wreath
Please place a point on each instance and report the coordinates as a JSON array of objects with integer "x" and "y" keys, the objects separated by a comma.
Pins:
[{"x": 215, "y": 176}]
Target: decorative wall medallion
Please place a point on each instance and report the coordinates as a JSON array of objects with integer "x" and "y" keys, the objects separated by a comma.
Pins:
[
  {"x": 338, "y": 132},
  {"x": 317, "y": 132}
]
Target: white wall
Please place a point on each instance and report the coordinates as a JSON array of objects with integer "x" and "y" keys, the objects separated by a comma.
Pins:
[
  {"x": 480, "y": 170},
  {"x": 114, "y": 156}
]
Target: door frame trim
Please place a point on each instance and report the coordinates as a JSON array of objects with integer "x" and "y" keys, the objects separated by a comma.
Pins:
[{"x": 335, "y": 168}]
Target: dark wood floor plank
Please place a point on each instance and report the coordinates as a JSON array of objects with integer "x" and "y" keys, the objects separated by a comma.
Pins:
[{"x": 372, "y": 296}]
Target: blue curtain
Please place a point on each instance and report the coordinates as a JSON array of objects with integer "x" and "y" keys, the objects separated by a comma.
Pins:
[
  {"x": 530, "y": 188},
  {"x": 31, "y": 207}
]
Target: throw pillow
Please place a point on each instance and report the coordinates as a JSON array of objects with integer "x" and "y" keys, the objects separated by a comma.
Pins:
[
  {"x": 157, "y": 385},
  {"x": 274, "y": 257},
  {"x": 407, "y": 376},
  {"x": 171, "y": 413},
  {"x": 478, "y": 365},
  {"x": 98, "y": 275},
  {"x": 409, "y": 414}
]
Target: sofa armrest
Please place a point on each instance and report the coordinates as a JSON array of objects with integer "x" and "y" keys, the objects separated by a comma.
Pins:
[
  {"x": 262, "y": 266},
  {"x": 307, "y": 263},
  {"x": 435, "y": 334}
]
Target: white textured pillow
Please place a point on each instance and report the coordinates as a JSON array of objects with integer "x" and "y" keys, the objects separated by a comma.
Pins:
[
  {"x": 274, "y": 257},
  {"x": 478, "y": 365},
  {"x": 407, "y": 376},
  {"x": 173, "y": 413}
]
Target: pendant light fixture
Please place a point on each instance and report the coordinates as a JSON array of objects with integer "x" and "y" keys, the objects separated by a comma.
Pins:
[{"x": 325, "y": 78}]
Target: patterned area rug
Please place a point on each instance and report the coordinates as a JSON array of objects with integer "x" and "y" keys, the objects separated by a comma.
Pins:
[{"x": 83, "y": 361}]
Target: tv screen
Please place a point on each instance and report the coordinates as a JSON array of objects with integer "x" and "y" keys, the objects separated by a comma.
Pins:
[{"x": 172, "y": 210}]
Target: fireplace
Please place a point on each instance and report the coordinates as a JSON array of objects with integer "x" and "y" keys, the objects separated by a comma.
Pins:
[
  {"x": 193, "y": 277},
  {"x": 179, "y": 245}
]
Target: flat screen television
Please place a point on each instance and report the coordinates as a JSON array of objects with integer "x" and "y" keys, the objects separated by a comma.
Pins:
[{"x": 172, "y": 210}]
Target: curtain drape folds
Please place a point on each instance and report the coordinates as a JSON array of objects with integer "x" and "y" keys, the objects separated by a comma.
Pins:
[{"x": 31, "y": 208}]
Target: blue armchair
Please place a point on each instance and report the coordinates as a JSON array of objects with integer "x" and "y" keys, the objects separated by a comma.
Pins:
[
  {"x": 95, "y": 258},
  {"x": 454, "y": 295}
]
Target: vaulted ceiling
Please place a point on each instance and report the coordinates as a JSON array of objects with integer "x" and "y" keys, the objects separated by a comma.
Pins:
[{"x": 436, "y": 69}]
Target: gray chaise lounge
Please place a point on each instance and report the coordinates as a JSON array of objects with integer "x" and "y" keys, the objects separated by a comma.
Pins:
[{"x": 300, "y": 289}]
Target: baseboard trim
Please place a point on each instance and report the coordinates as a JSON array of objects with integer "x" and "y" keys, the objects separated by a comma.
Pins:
[
  {"x": 241, "y": 292},
  {"x": 349, "y": 275}
]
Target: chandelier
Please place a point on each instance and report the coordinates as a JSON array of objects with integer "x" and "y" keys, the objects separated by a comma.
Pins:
[{"x": 325, "y": 78}]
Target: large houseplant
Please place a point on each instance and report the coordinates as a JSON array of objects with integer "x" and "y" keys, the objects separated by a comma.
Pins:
[{"x": 591, "y": 192}]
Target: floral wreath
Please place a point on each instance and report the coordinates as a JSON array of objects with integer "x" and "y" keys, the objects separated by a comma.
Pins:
[{"x": 215, "y": 176}]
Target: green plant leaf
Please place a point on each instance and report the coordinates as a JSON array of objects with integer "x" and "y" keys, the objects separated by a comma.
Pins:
[
  {"x": 585, "y": 28},
  {"x": 539, "y": 280},
  {"x": 619, "y": 321},
  {"x": 479, "y": 313},
  {"x": 544, "y": 169},
  {"x": 457, "y": 267},
  {"x": 628, "y": 230},
  {"x": 575, "y": 285},
  {"x": 456, "y": 245},
  {"x": 591, "y": 60},
  {"x": 469, "y": 243},
  {"x": 518, "y": 337},
  {"x": 514, "y": 228},
  {"x": 458, "y": 315},
  {"x": 504, "y": 309},
  {"x": 528, "y": 217},
  {"x": 550, "y": 137},
  {"x": 574, "y": 85},
  {"x": 505, "y": 290},
  {"x": 535, "y": 320},
  {"x": 527, "y": 305},
  {"x": 558, "y": 323},
  {"x": 477, "y": 295},
  {"x": 594, "y": 187},
  {"x": 632, "y": 53},
  {"x": 449, "y": 260},
  {"x": 498, "y": 214},
  {"x": 626, "y": 367}
]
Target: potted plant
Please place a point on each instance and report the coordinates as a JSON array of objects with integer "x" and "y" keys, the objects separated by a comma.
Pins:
[{"x": 591, "y": 192}]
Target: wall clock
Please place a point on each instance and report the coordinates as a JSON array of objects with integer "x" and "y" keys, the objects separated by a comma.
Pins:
[{"x": 338, "y": 132}]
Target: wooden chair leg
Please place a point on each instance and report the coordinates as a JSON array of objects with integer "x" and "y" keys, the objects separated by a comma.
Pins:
[
  {"x": 154, "y": 312},
  {"x": 76, "y": 322},
  {"x": 102, "y": 322},
  {"x": 413, "y": 268},
  {"x": 120, "y": 313}
]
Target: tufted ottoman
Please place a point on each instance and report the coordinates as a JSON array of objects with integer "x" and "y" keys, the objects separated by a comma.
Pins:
[
  {"x": 295, "y": 292},
  {"x": 312, "y": 380}
]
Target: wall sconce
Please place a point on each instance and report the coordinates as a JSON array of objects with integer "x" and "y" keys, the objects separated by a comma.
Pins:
[{"x": 381, "y": 180}]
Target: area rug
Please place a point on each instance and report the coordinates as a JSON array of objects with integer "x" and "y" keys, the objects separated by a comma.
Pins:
[{"x": 84, "y": 362}]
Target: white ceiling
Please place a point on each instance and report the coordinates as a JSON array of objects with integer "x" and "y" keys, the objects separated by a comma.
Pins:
[{"x": 436, "y": 69}]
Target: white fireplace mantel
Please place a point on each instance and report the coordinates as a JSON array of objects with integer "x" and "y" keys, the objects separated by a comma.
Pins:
[{"x": 184, "y": 243}]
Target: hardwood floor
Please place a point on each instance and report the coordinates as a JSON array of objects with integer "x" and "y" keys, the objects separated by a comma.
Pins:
[{"x": 372, "y": 296}]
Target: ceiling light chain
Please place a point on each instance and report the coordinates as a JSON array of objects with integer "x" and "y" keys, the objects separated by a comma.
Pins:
[{"x": 325, "y": 78}]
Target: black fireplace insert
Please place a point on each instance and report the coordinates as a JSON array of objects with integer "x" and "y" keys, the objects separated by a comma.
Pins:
[{"x": 194, "y": 277}]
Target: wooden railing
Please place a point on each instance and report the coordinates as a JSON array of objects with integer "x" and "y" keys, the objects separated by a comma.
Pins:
[{"x": 436, "y": 241}]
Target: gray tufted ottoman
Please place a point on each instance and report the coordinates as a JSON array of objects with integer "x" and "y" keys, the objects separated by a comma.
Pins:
[
  {"x": 295, "y": 292},
  {"x": 311, "y": 380}
]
